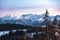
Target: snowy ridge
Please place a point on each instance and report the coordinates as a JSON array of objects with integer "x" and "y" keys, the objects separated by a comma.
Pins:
[{"x": 29, "y": 19}]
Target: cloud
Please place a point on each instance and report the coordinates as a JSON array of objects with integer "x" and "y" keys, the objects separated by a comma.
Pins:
[
  {"x": 29, "y": 3},
  {"x": 20, "y": 7}
]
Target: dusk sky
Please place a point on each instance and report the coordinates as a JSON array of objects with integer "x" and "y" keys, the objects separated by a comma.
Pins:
[{"x": 20, "y": 7}]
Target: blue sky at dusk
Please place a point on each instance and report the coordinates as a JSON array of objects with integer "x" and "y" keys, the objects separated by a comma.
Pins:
[{"x": 20, "y": 7}]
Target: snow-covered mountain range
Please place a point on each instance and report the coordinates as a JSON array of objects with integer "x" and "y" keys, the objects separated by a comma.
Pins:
[{"x": 29, "y": 19}]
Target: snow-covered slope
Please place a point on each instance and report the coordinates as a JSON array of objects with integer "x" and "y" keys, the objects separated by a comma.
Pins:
[{"x": 29, "y": 19}]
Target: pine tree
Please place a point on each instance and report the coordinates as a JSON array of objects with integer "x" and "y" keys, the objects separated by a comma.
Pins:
[
  {"x": 46, "y": 18},
  {"x": 55, "y": 23},
  {"x": 47, "y": 25}
]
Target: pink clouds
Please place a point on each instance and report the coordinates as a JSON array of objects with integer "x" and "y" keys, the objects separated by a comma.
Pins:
[
  {"x": 36, "y": 10},
  {"x": 58, "y": 10}
]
